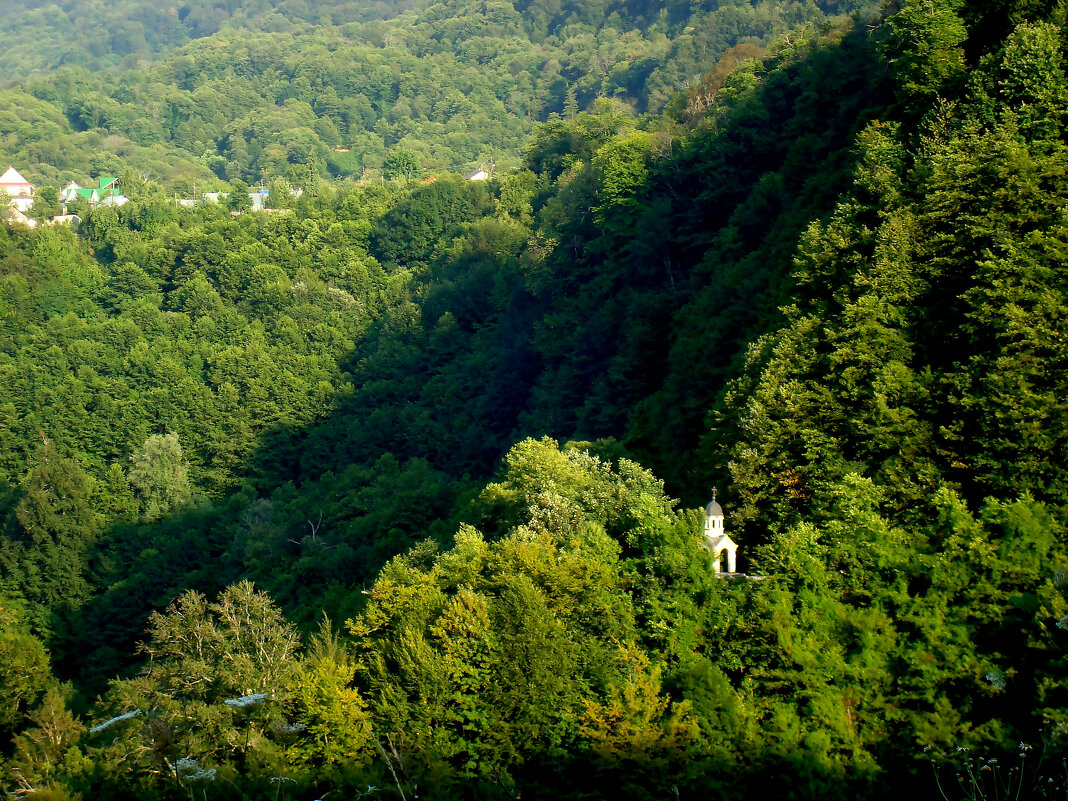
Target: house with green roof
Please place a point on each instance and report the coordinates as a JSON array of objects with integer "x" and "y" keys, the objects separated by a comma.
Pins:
[
  {"x": 106, "y": 192},
  {"x": 72, "y": 192}
]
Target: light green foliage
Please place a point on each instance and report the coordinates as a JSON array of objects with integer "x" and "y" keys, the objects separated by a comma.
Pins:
[
  {"x": 636, "y": 722},
  {"x": 573, "y": 484},
  {"x": 45, "y": 205},
  {"x": 1032, "y": 79},
  {"x": 239, "y": 199},
  {"x": 237, "y": 646},
  {"x": 278, "y": 195},
  {"x": 159, "y": 476},
  {"x": 621, "y": 173},
  {"x": 479, "y": 651},
  {"x": 924, "y": 47},
  {"x": 839, "y": 585},
  {"x": 401, "y": 163},
  {"x": 331, "y": 735},
  {"x": 215, "y": 688},
  {"x": 517, "y": 190}
]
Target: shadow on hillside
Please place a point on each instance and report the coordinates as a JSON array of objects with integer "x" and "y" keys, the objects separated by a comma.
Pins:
[
  {"x": 748, "y": 775},
  {"x": 437, "y": 403}
]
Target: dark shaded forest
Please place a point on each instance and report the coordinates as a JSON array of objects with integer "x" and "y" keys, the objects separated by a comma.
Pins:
[{"x": 395, "y": 491}]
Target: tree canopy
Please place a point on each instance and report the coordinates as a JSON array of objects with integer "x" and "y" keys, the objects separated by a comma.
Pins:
[{"x": 392, "y": 488}]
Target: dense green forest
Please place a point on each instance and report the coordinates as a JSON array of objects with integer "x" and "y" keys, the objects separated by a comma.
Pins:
[
  {"x": 394, "y": 491},
  {"x": 219, "y": 92}
]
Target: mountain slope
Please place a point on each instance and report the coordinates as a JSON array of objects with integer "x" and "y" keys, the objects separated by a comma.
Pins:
[
  {"x": 305, "y": 92},
  {"x": 829, "y": 279}
]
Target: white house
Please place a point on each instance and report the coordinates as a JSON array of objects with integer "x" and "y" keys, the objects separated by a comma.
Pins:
[
  {"x": 482, "y": 174},
  {"x": 17, "y": 188},
  {"x": 13, "y": 216}
]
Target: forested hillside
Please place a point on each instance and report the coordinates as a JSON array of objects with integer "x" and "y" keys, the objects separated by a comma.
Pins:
[
  {"x": 395, "y": 491},
  {"x": 224, "y": 92}
]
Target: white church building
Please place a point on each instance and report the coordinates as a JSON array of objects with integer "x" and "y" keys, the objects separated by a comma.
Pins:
[{"x": 717, "y": 541}]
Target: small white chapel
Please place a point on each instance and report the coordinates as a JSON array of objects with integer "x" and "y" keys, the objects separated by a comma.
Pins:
[{"x": 717, "y": 541}]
